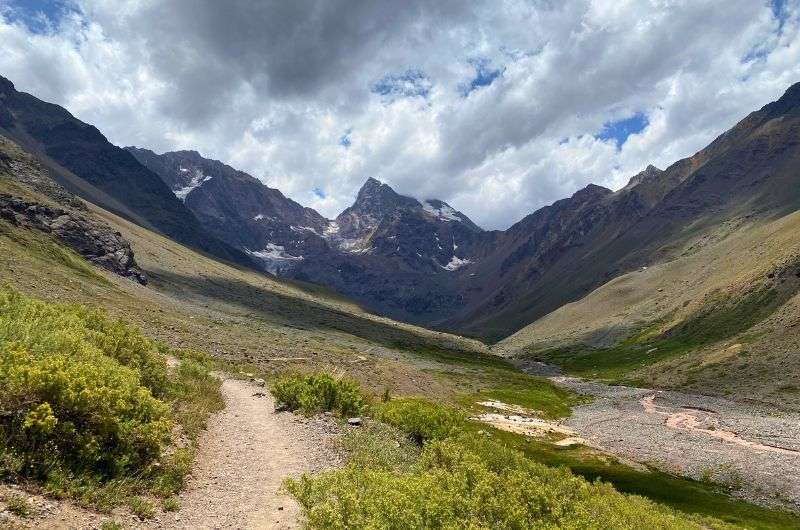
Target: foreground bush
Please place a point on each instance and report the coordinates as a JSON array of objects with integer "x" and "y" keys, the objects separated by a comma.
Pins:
[
  {"x": 77, "y": 389},
  {"x": 421, "y": 419},
  {"x": 87, "y": 404},
  {"x": 314, "y": 393},
  {"x": 466, "y": 483}
]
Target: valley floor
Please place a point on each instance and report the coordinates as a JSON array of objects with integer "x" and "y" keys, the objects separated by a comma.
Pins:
[{"x": 755, "y": 453}]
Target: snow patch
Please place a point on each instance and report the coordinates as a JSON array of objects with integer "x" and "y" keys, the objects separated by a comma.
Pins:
[
  {"x": 275, "y": 258},
  {"x": 445, "y": 213},
  {"x": 354, "y": 246},
  {"x": 456, "y": 263},
  {"x": 261, "y": 216},
  {"x": 331, "y": 229},
  {"x": 301, "y": 229},
  {"x": 197, "y": 180}
]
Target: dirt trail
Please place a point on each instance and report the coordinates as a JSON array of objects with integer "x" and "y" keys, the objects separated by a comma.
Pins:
[{"x": 243, "y": 458}]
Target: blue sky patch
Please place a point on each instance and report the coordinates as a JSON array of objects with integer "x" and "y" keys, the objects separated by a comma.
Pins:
[
  {"x": 779, "y": 10},
  {"x": 345, "y": 141},
  {"x": 38, "y": 15},
  {"x": 412, "y": 83},
  {"x": 619, "y": 131},
  {"x": 318, "y": 192},
  {"x": 484, "y": 76}
]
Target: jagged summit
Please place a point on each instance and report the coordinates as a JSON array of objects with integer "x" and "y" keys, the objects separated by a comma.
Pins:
[{"x": 650, "y": 173}]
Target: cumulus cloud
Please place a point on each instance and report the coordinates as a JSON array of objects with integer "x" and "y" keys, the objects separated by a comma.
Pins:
[{"x": 496, "y": 108}]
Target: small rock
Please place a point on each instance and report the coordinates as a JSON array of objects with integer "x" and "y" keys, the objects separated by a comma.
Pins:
[
  {"x": 260, "y": 382},
  {"x": 354, "y": 421}
]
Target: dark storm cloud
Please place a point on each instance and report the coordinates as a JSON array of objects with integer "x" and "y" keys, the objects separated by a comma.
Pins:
[{"x": 496, "y": 107}]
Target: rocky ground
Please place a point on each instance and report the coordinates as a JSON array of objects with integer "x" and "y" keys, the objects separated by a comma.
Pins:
[
  {"x": 243, "y": 459},
  {"x": 754, "y": 452}
]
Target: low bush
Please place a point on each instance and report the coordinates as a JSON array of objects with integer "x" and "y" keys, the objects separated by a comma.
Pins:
[
  {"x": 77, "y": 390},
  {"x": 421, "y": 419},
  {"x": 378, "y": 445},
  {"x": 19, "y": 506},
  {"x": 88, "y": 405},
  {"x": 472, "y": 483},
  {"x": 314, "y": 393}
]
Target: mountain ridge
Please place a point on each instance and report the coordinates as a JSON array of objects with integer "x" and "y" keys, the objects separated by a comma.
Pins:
[{"x": 82, "y": 160}]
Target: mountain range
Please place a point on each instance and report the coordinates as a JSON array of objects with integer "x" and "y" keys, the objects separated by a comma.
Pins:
[{"x": 421, "y": 260}]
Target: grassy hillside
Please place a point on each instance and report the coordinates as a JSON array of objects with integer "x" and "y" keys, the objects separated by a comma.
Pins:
[{"x": 719, "y": 318}]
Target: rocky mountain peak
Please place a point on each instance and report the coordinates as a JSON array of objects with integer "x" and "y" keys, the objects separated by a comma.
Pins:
[
  {"x": 6, "y": 86},
  {"x": 591, "y": 193},
  {"x": 378, "y": 198},
  {"x": 650, "y": 173},
  {"x": 790, "y": 100}
]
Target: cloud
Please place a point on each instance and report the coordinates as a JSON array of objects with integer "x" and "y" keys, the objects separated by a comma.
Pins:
[{"x": 496, "y": 108}]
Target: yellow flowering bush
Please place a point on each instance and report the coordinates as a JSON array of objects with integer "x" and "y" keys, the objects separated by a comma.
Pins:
[{"x": 77, "y": 391}]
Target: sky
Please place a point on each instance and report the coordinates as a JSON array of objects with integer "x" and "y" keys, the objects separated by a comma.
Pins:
[{"x": 497, "y": 107}]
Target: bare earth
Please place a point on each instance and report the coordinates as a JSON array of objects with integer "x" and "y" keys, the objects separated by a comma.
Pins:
[
  {"x": 242, "y": 460},
  {"x": 754, "y": 451}
]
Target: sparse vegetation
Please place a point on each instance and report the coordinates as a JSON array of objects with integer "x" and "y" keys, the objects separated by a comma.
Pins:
[
  {"x": 142, "y": 508},
  {"x": 320, "y": 392},
  {"x": 722, "y": 316},
  {"x": 19, "y": 506}
]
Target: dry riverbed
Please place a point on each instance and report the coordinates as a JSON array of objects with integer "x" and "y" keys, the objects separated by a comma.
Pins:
[{"x": 755, "y": 452}]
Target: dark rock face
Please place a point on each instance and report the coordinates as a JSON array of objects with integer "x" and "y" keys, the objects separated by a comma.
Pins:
[
  {"x": 240, "y": 210},
  {"x": 91, "y": 239}
]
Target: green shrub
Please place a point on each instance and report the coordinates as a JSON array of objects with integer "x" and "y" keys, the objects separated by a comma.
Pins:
[
  {"x": 79, "y": 408},
  {"x": 465, "y": 483},
  {"x": 87, "y": 403},
  {"x": 378, "y": 445},
  {"x": 171, "y": 504},
  {"x": 74, "y": 330},
  {"x": 421, "y": 419},
  {"x": 321, "y": 392}
]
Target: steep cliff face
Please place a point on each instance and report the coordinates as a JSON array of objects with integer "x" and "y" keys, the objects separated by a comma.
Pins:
[{"x": 61, "y": 215}]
